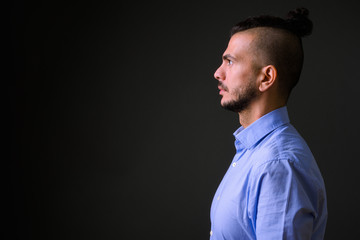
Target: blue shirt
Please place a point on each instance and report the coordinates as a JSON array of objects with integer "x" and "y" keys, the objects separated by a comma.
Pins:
[{"x": 273, "y": 188}]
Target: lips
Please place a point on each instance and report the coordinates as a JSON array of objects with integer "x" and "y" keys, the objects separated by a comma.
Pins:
[
  {"x": 222, "y": 87},
  {"x": 222, "y": 91}
]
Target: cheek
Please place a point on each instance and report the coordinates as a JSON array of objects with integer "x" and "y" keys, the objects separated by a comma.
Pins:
[
  {"x": 242, "y": 78},
  {"x": 235, "y": 85},
  {"x": 235, "y": 92}
]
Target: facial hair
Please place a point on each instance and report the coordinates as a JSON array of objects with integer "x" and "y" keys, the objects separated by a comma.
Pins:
[{"x": 243, "y": 97}]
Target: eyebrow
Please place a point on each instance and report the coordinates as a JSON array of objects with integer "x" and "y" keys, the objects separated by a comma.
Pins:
[{"x": 228, "y": 57}]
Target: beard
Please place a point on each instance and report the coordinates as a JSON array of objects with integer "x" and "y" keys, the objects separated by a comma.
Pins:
[{"x": 243, "y": 97}]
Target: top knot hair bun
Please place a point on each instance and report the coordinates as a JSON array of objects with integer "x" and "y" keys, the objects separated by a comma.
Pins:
[{"x": 299, "y": 23}]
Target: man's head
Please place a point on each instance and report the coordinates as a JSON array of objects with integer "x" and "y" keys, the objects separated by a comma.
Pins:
[{"x": 264, "y": 53}]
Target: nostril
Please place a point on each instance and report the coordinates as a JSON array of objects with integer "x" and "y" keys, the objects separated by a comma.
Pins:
[
  {"x": 218, "y": 74},
  {"x": 217, "y": 77}
]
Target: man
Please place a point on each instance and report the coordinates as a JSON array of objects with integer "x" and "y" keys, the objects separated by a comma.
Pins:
[{"x": 273, "y": 188}]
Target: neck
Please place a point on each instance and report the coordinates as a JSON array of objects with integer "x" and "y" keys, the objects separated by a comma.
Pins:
[{"x": 256, "y": 111}]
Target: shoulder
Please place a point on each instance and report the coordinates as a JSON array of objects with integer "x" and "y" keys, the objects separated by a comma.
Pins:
[
  {"x": 284, "y": 143},
  {"x": 285, "y": 153}
]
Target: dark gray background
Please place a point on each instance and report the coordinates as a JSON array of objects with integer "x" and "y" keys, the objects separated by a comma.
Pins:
[{"x": 117, "y": 131}]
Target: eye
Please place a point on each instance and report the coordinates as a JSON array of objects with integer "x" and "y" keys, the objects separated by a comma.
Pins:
[{"x": 229, "y": 62}]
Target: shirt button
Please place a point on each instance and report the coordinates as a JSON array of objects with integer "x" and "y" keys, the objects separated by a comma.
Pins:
[
  {"x": 234, "y": 164},
  {"x": 210, "y": 233}
]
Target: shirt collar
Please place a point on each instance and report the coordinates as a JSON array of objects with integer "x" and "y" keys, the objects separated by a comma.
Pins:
[{"x": 261, "y": 127}]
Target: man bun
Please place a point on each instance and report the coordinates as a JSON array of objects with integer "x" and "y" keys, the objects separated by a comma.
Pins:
[
  {"x": 299, "y": 23},
  {"x": 296, "y": 22}
]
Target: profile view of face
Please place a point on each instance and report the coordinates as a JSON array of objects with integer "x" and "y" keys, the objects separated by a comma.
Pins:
[{"x": 237, "y": 74}]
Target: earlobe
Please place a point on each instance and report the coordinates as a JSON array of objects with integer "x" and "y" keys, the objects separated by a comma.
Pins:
[{"x": 268, "y": 77}]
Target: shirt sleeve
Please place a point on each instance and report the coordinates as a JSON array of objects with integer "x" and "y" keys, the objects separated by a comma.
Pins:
[{"x": 282, "y": 202}]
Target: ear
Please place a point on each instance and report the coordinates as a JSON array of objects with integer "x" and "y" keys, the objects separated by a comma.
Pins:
[{"x": 268, "y": 77}]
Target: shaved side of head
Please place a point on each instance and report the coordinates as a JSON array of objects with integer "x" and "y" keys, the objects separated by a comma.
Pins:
[{"x": 283, "y": 50}]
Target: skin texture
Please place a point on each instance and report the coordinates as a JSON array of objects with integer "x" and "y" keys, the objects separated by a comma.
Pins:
[{"x": 245, "y": 81}]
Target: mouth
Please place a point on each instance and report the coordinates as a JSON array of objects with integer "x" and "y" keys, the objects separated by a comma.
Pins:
[{"x": 221, "y": 89}]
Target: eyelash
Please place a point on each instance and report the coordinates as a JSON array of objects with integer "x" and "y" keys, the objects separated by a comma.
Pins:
[{"x": 229, "y": 62}]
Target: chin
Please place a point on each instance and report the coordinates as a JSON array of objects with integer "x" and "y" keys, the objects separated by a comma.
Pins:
[{"x": 223, "y": 102}]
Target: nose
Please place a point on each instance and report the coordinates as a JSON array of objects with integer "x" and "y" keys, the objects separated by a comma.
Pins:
[{"x": 219, "y": 74}]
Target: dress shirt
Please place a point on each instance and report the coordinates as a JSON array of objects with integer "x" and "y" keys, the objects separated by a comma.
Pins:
[{"x": 273, "y": 188}]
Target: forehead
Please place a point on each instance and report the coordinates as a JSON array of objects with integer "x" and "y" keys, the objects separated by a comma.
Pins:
[{"x": 240, "y": 43}]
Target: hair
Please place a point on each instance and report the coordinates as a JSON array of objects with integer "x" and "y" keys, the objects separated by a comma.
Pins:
[{"x": 278, "y": 42}]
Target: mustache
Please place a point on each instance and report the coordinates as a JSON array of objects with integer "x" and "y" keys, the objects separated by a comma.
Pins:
[{"x": 221, "y": 85}]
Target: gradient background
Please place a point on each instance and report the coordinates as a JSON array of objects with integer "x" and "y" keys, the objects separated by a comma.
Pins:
[{"x": 116, "y": 127}]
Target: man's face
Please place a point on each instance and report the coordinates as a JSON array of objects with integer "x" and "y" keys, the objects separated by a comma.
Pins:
[{"x": 237, "y": 74}]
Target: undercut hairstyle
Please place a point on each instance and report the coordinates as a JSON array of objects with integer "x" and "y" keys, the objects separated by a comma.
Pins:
[{"x": 278, "y": 42}]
